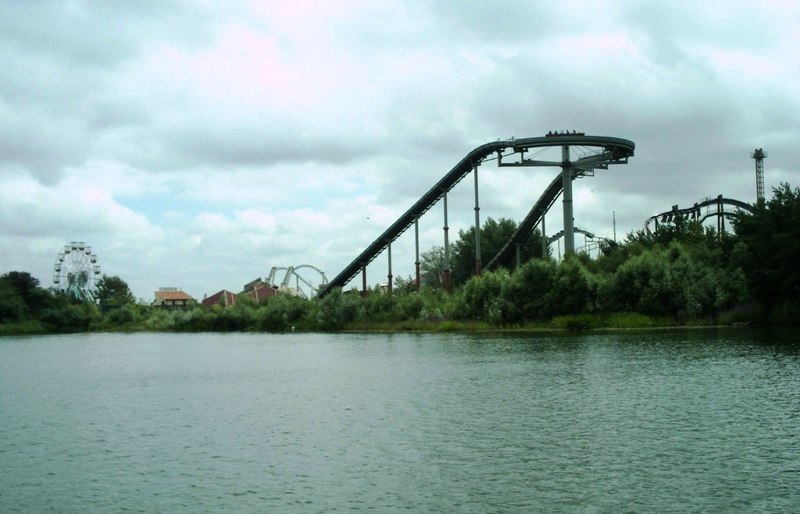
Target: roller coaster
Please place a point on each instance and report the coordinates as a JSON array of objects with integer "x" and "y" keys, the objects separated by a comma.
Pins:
[
  {"x": 597, "y": 152},
  {"x": 294, "y": 272},
  {"x": 558, "y": 235},
  {"x": 720, "y": 207}
]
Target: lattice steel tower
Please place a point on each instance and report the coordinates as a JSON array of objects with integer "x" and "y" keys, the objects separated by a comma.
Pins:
[{"x": 759, "y": 155}]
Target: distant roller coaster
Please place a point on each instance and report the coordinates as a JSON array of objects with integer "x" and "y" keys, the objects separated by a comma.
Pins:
[
  {"x": 713, "y": 207},
  {"x": 294, "y": 272},
  {"x": 597, "y": 152}
]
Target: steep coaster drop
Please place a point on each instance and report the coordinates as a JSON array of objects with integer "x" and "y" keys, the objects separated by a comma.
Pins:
[{"x": 605, "y": 151}]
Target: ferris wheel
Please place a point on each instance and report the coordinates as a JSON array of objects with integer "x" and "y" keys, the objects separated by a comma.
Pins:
[{"x": 76, "y": 270}]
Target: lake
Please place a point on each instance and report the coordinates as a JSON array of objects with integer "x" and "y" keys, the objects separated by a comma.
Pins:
[{"x": 663, "y": 421}]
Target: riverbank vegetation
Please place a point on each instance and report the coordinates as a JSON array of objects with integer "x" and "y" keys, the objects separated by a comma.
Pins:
[{"x": 682, "y": 274}]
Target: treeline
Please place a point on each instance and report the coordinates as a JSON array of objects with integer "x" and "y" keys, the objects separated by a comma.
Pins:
[{"x": 683, "y": 273}]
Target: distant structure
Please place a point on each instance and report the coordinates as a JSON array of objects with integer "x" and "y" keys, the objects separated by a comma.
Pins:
[
  {"x": 76, "y": 271},
  {"x": 172, "y": 298},
  {"x": 759, "y": 155},
  {"x": 293, "y": 271},
  {"x": 222, "y": 298},
  {"x": 713, "y": 207},
  {"x": 258, "y": 290}
]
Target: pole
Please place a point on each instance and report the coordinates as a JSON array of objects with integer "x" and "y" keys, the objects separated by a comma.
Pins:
[
  {"x": 614, "y": 223},
  {"x": 446, "y": 271},
  {"x": 416, "y": 244},
  {"x": 364, "y": 281},
  {"x": 477, "y": 225},
  {"x": 389, "y": 276},
  {"x": 566, "y": 184},
  {"x": 544, "y": 239}
]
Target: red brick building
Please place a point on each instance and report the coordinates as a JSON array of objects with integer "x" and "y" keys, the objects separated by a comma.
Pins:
[
  {"x": 259, "y": 291},
  {"x": 223, "y": 298}
]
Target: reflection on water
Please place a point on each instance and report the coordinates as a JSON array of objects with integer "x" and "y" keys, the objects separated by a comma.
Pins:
[{"x": 693, "y": 420}]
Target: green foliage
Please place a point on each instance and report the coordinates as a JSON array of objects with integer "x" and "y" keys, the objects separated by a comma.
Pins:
[
  {"x": 577, "y": 322},
  {"x": 23, "y": 282},
  {"x": 236, "y": 318},
  {"x": 13, "y": 308},
  {"x": 124, "y": 315},
  {"x": 26, "y": 288},
  {"x": 769, "y": 251},
  {"x": 493, "y": 235},
  {"x": 282, "y": 312},
  {"x": 68, "y": 317},
  {"x": 112, "y": 293},
  {"x": 534, "y": 288},
  {"x": 196, "y": 319},
  {"x": 574, "y": 289},
  {"x": 432, "y": 267},
  {"x": 21, "y": 328},
  {"x": 337, "y": 309},
  {"x": 487, "y": 298}
]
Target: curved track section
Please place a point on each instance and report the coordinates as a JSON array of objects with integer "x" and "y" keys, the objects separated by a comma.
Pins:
[
  {"x": 695, "y": 212},
  {"x": 613, "y": 150},
  {"x": 558, "y": 235}
]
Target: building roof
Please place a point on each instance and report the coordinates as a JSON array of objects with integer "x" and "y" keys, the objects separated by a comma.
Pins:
[
  {"x": 224, "y": 297},
  {"x": 172, "y": 295},
  {"x": 261, "y": 291}
]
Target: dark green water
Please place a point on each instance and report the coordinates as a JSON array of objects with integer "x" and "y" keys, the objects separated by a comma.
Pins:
[{"x": 684, "y": 421}]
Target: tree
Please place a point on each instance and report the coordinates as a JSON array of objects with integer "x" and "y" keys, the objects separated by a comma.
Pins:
[
  {"x": 27, "y": 287},
  {"x": 12, "y": 306},
  {"x": 769, "y": 249},
  {"x": 22, "y": 281},
  {"x": 493, "y": 235},
  {"x": 431, "y": 265},
  {"x": 112, "y": 293}
]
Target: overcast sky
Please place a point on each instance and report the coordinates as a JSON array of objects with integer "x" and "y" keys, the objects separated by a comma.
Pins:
[{"x": 198, "y": 144}]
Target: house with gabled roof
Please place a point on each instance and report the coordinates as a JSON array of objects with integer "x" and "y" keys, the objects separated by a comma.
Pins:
[
  {"x": 258, "y": 290},
  {"x": 223, "y": 298},
  {"x": 172, "y": 298}
]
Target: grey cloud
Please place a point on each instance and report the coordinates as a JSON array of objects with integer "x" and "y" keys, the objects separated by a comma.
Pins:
[
  {"x": 505, "y": 21},
  {"x": 671, "y": 30},
  {"x": 58, "y": 95},
  {"x": 90, "y": 34},
  {"x": 39, "y": 145},
  {"x": 248, "y": 144}
]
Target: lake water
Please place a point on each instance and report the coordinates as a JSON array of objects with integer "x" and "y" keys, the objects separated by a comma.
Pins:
[{"x": 668, "y": 421}]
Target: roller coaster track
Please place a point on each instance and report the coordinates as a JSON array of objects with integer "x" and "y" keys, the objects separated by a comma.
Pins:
[
  {"x": 612, "y": 150},
  {"x": 695, "y": 212},
  {"x": 558, "y": 235}
]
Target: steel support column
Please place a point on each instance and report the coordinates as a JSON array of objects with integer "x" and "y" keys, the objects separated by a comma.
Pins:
[
  {"x": 364, "y": 281},
  {"x": 416, "y": 248},
  {"x": 566, "y": 186},
  {"x": 446, "y": 271},
  {"x": 477, "y": 225},
  {"x": 544, "y": 239},
  {"x": 389, "y": 275}
]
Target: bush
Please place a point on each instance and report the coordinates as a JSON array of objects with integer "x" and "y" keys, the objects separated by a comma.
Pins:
[
  {"x": 574, "y": 288},
  {"x": 67, "y": 318},
  {"x": 533, "y": 288},
  {"x": 126, "y": 314},
  {"x": 238, "y": 317},
  {"x": 337, "y": 309},
  {"x": 281, "y": 312},
  {"x": 482, "y": 298}
]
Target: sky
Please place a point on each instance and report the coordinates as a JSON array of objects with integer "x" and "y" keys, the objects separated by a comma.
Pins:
[{"x": 199, "y": 144}]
